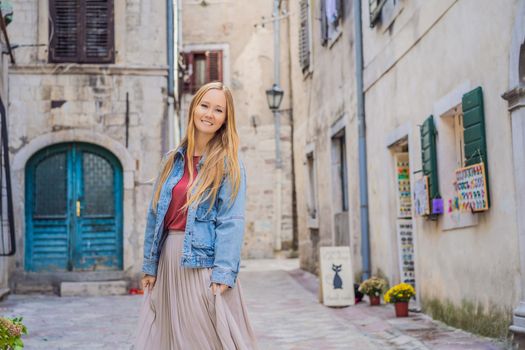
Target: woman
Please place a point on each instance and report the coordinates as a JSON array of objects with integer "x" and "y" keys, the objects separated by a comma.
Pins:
[{"x": 194, "y": 234}]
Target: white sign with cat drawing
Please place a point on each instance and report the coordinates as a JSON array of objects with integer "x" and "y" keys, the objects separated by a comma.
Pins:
[{"x": 337, "y": 278}]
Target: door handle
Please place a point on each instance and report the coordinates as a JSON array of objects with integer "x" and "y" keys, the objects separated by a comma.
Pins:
[{"x": 78, "y": 208}]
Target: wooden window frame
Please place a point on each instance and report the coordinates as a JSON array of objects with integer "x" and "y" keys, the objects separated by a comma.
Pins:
[
  {"x": 305, "y": 36},
  {"x": 312, "y": 206},
  {"x": 340, "y": 172},
  {"x": 328, "y": 38},
  {"x": 81, "y": 55},
  {"x": 375, "y": 7},
  {"x": 189, "y": 81}
]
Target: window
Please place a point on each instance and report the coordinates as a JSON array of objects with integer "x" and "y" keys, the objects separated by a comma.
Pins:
[
  {"x": 429, "y": 156},
  {"x": 331, "y": 16},
  {"x": 390, "y": 10},
  {"x": 305, "y": 42},
  {"x": 81, "y": 31},
  {"x": 460, "y": 141},
  {"x": 375, "y": 7},
  {"x": 340, "y": 171},
  {"x": 202, "y": 67},
  {"x": 451, "y": 156},
  {"x": 312, "y": 191},
  {"x": 383, "y": 11}
]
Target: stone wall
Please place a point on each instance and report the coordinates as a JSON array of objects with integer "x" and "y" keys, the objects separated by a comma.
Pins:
[
  {"x": 245, "y": 34},
  {"x": 324, "y": 104},
  {"x": 421, "y": 66},
  {"x": 53, "y": 103}
]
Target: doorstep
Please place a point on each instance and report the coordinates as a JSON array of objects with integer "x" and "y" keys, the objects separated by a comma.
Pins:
[{"x": 91, "y": 289}]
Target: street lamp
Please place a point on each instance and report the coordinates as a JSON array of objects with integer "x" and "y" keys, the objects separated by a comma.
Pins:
[{"x": 274, "y": 97}]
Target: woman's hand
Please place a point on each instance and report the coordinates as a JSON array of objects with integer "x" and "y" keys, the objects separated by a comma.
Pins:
[
  {"x": 148, "y": 282},
  {"x": 218, "y": 287}
]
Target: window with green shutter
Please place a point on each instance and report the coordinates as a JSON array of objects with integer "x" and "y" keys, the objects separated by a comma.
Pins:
[
  {"x": 429, "y": 156},
  {"x": 475, "y": 145}
]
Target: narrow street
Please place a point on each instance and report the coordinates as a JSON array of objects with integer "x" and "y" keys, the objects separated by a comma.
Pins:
[{"x": 283, "y": 306}]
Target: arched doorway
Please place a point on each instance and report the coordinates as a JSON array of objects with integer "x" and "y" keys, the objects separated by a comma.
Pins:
[{"x": 73, "y": 194}]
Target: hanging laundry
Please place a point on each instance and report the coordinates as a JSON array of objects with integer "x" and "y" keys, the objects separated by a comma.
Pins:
[{"x": 332, "y": 10}]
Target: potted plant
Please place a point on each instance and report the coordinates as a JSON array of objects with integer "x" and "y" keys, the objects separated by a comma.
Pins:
[
  {"x": 399, "y": 295},
  {"x": 373, "y": 287},
  {"x": 11, "y": 330}
]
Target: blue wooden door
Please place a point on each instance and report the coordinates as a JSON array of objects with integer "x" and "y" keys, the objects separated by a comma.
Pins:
[{"x": 73, "y": 209}]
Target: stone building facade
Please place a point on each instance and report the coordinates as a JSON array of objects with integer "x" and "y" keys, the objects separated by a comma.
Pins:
[
  {"x": 434, "y": 73},
  {"x": 325, "y": 130},
  {"x": 424, "y": 66},
  {"x": 233, "y": 42},
  {"x": 88, "y": 127}
]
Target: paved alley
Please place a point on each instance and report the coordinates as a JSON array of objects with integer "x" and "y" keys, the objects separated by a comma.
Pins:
[{"x": 283, "y": 306}]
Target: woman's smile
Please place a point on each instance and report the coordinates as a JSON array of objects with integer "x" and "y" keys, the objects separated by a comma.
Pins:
[{"x": 210, "y": 113}]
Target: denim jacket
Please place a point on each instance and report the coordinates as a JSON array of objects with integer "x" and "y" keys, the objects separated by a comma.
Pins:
[{"x": 212, "y": 238}]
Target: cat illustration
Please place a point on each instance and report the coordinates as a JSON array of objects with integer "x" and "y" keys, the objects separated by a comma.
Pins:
[{"x": 338, "y": 282}]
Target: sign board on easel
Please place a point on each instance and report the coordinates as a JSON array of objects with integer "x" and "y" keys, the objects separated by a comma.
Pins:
[{"x": 337, "y": 278}]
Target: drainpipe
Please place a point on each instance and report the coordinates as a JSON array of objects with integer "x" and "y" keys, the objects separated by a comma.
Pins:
[
  {"x": 363, "y": 176},
  {"x": 178, "y": 118},
  {"x": 171, "y": 75},
  {"x": 277, "y": 120}
]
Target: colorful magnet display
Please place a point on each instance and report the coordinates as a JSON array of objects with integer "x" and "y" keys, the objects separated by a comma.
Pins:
[
  {"x": 406, "y": 251},
  {"x": 471, "y": 187},
  {"x": 403, "y": 187}
]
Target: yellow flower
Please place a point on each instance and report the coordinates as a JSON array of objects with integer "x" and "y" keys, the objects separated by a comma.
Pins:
[{"x": 400, "y": 292}]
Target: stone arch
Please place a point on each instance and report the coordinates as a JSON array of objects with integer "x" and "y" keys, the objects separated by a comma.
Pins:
[
  {"x": 18, "y": 179},
  {"x": 40, "y": 142}
]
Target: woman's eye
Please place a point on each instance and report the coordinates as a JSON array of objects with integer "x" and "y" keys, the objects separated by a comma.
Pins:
[
  {"x": 203, "y": 106},
  {"x": 219, "y": 110}
]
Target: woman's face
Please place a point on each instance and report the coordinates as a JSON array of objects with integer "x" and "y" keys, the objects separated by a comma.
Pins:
[{"x": 210, "y": 113}]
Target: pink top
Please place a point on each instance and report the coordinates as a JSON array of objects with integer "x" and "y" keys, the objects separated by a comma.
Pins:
[{"x": 175, "y": 218}]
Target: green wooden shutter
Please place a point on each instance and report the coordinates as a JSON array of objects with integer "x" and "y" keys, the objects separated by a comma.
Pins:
[
  {"x": 474, "y": 127},
  {"x": 429, "y": 157},
  {"x": 474, "y": 130}
]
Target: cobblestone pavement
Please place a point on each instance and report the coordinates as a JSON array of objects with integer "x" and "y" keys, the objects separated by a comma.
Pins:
[{"x": 283, "y": 307}]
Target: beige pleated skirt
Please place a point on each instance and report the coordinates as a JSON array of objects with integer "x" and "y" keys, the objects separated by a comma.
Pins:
[{"x": 181, "y": 311}]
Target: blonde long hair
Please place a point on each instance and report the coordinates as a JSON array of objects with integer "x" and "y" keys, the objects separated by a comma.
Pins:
[{"x": 220, "y": 155}]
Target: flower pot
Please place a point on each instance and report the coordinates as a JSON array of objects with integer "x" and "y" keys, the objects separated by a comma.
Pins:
[
  {"x": 374, "y": 299},
  {"x": 401, "y": 308}
]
